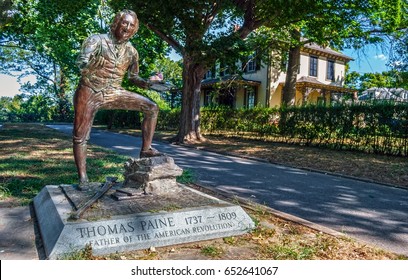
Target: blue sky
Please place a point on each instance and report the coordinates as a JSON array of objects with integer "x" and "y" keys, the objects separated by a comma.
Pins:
[{"x": 370, "y": 60}]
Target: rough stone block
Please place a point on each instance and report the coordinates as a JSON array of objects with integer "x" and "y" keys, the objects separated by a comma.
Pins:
[
  {"x": 162, "y": 186},
  {"x": 153, "y": 175}
]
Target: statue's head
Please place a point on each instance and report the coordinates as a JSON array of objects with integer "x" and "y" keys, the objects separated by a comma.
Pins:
[{"x": 124, "y": 25}]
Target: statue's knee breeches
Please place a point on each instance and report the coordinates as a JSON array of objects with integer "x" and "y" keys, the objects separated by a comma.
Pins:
[
  {"x": 80, "y": 140},
  {"x": 86, "y": 104},
  {"x": 150, "y": 110}
]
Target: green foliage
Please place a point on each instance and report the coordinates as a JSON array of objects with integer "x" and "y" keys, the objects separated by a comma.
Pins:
[
  {"x": 369, "y": 80},
  {"x": 118, "y": 118},
  {"x": 389, "y": 79},
  {"x": 187, "y": 177},
  {"x": 151, "y": 49},
  {"x": 4, "y": 192},
  {"x": 133, "y": 119},
  {"x": 339, "y": 24},
  {"x": 399, "y": 55},
  {"x": 375, "y": 128},
  {"x": 212, "y": 251},
  {"x": 169, "y": 119},
  {"x": 259, "y": 120},
  {"x": 43, "y": 38},
  {"x": 5, "y": 6},
  {"x": 172, "y": 70},
  {"x": 381, "y": 127},
  {"x": 205, "y": 32},
  {"x": 32, "y": 108},
  {"x": 352, "y": 80},
  {"x": 79, "y": 254}
]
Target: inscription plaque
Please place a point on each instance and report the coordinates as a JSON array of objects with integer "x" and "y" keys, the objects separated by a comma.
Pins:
[{"x": 133, "y": 231}]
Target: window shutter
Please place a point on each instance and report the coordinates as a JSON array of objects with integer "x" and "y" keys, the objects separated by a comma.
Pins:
[{"x": 258, "y": 63}]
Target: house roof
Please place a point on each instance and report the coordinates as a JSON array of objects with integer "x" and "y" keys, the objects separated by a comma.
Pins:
[
  {"x": 398, "y": 94},
  {"x": 305, "y": 79},
  {"x": 325, "y": 51},
  {"x": 311, "y": 82},
  {"x": 230, "y": 80}
]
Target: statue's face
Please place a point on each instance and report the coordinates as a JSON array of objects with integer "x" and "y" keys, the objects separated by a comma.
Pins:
[{"x": 125, "y": 28}]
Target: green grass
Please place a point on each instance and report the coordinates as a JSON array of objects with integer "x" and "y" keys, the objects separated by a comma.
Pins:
[
  {"x": 187, "y": 177},
  {"x": 212, "y": 251},
  {"x": 34, "y": 156},
  {"x": 290, "y": 252},
  {"x": 81, "y": 254}
]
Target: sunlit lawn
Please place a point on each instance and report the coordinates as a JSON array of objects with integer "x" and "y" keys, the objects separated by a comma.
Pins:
[{"x": 33, "y": 156}]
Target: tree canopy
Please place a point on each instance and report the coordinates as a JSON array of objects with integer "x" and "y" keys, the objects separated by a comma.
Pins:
[
  {"x": 388, "y": 79},
  {"x": 42, "y": 39},
  {"x": 205, "y": 31}
]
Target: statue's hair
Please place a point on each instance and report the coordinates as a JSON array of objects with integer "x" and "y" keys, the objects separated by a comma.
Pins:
[{"x": 119, "y": 16}]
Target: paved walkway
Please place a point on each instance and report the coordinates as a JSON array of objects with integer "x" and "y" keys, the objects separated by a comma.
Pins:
[
  {"x": 370, "y": 212},
  {"x": 17, "y": 237}
]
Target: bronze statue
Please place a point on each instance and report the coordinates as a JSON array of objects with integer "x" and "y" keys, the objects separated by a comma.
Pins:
[{"x": 104, "y": 59}]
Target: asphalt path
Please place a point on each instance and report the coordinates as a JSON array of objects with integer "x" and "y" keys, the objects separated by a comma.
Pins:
[{"x": 373, "y": 213}]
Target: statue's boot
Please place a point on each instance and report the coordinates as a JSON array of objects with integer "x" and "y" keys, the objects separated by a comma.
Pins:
[
  {"x": 80, "y": 161},
  {"x": 148, "y": 128},
  {"x": 151, "y": 152}
]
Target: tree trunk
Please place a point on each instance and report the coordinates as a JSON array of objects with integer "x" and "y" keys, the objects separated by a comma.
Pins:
[
  {"x": 193, "y": 73},
  {"x": 60, "y": 84},
  {"x": 289, "y": 90},
  {"x": 63, "y": 105}
]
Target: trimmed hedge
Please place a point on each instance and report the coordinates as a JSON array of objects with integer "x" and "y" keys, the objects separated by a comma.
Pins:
[
  {"x": 374, "y": 128},
  {"x": 262, "y": 121},
  {"x": 118, "y": 118}
]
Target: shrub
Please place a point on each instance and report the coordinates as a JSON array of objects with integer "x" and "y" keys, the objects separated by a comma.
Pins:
[{"x": 375, "y": 128}]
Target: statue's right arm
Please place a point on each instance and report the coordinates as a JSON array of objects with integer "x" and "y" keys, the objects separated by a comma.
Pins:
[{"x": 88, "y": 51}]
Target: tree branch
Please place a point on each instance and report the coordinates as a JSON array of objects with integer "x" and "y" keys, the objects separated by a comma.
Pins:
[
  {"x": 39, "y": 73},
  {"x": 209, "y": 17},
  {"x": 15, "y": 47},
  {"x": 168, "y": 39}
]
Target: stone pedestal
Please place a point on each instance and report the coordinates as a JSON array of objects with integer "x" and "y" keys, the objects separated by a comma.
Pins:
[
  {"x": 149, "y": 210},
  {"x": 155, "y": 175},
  {"x": 139, "y": 223}
]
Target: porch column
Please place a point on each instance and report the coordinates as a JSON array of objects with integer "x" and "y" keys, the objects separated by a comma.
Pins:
[
  {"x": 305, "y": 94},
  {"x": 323, "y": 93}
]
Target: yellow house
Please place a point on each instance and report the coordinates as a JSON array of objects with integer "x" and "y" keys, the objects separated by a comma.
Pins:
[{"x": 320, "y": 80}]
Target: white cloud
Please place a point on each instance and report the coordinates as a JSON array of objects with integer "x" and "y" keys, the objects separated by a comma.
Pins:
[{"x": 380, "y": 57}]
